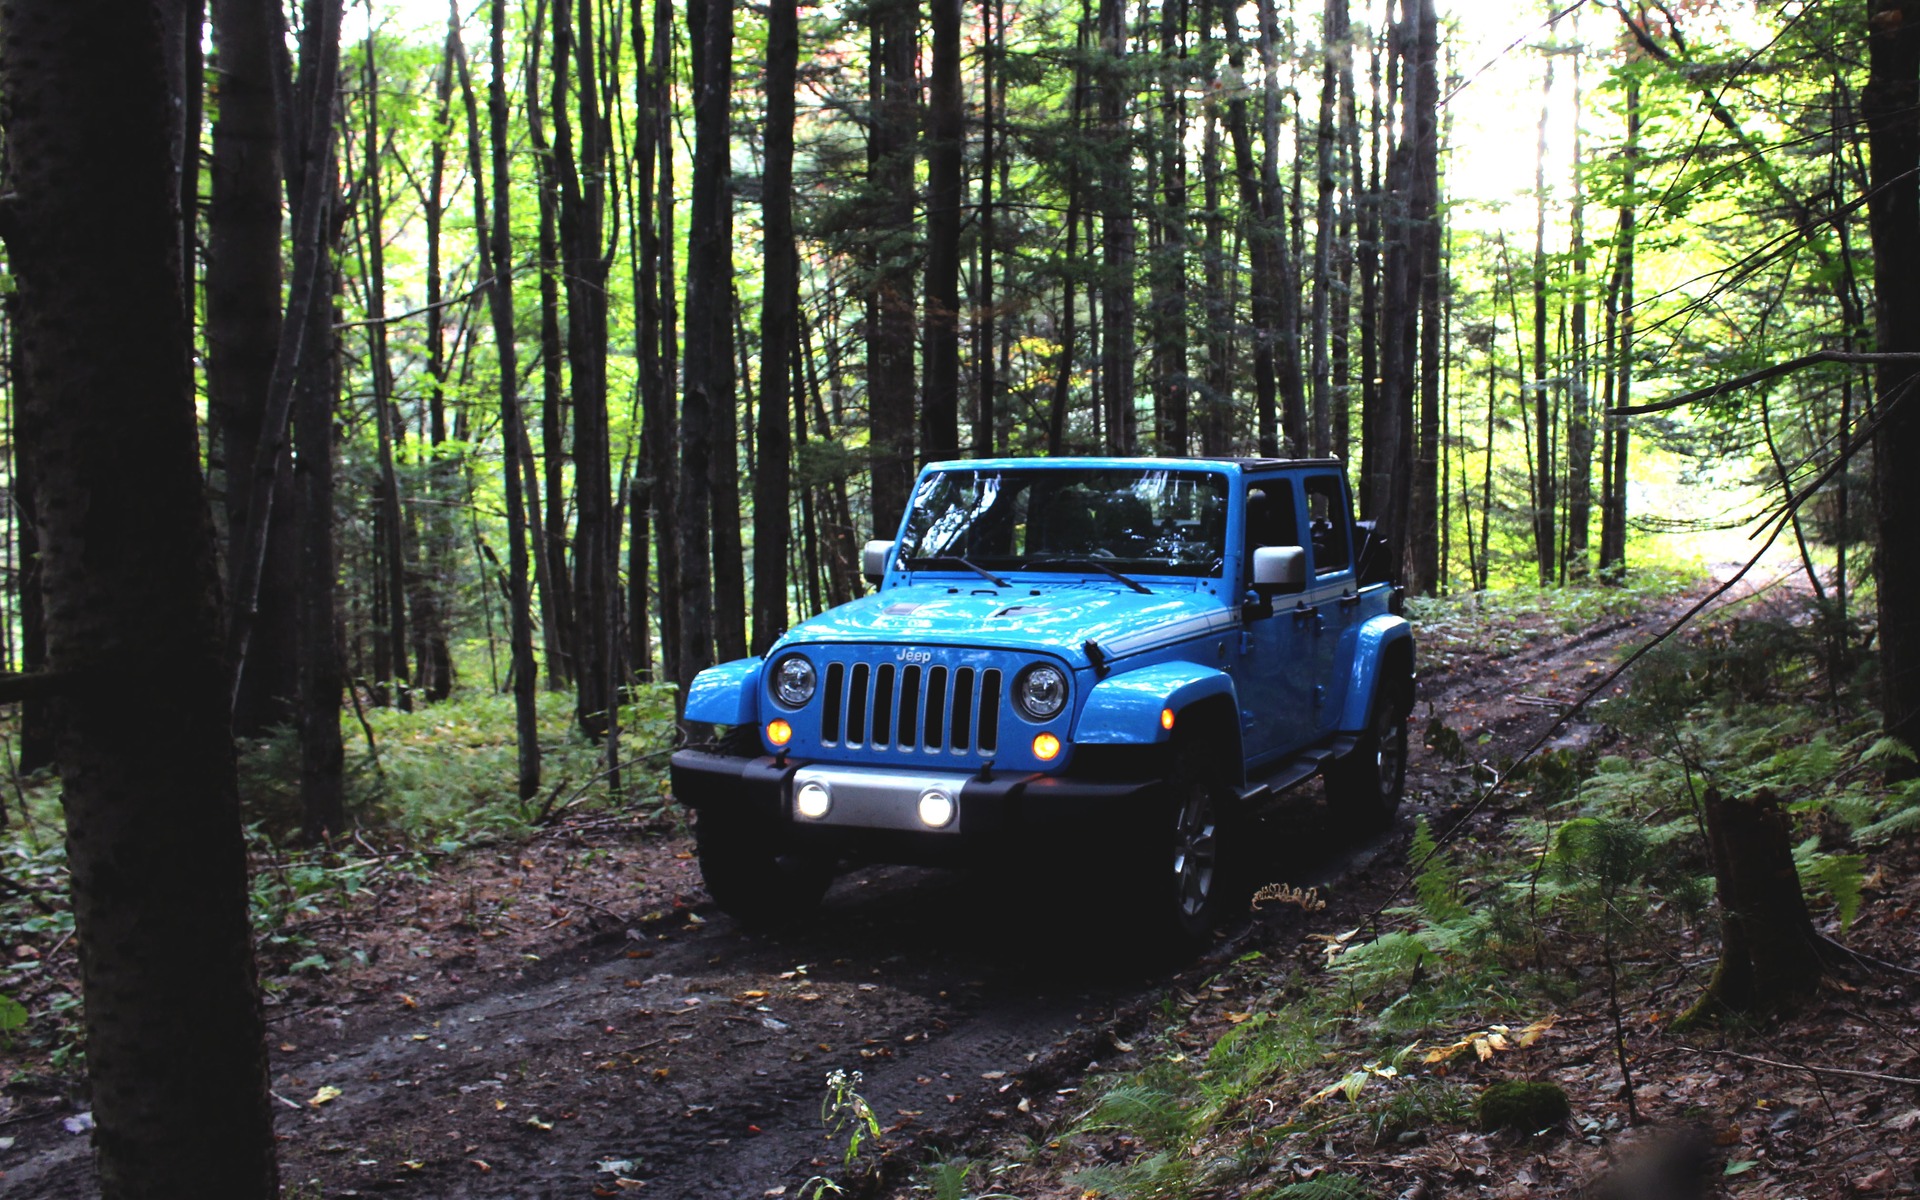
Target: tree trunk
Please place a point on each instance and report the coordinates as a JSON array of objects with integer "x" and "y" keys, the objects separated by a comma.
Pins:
[
  {"x": 890, "y": 159},
  {"x": 1891, "y": 105},
  {"x": 1613, "y": 495},
  {"x": 1545, "y": 545},
  {"x": 242, "y": 329},
  {"x": 36, "y": 716},
  {"x": 558, "y": 632},
  {"x": 499, "y": 252},
  {"x": 658, "y": 412},
  {"x": 1580, "y": 405},
  {"x": 1770, "y": 956},
  {"x": 1117, "y": 235},
  {"x": 779, "y": 326},
  {"x": 1423, "y": 548},
  {"x": 390, "y": 517},
  {"x": 582, "y": 178},
  {"x": 175, "y": 1052},
  {"x": 946, "y": 144},
  {"x": 710, "y": 26}
]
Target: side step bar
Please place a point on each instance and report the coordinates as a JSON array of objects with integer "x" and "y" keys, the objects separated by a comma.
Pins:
[{"x": 1292, "y": 771}]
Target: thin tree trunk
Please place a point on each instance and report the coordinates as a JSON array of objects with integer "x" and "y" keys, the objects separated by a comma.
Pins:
[
  {"x": 499, "y": 251},
  {"x": 1544, "y": 545},
  {"x": 1613, "y": 500},
  {"x": 390, "y": 516},
  {"x": 242, "y": 330},
  {"x": 582, "y": 178}
]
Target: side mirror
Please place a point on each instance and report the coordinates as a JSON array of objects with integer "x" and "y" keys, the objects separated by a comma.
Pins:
[
  {"x": 1279, "y": 569},
  {"x": 873, "y": 561}
]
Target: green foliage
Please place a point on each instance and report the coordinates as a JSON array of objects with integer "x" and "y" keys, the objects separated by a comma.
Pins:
[
  {"x": 1332, "y": 1186},
  {"x": 1838, "y": 876},
  {"x": 1438, "y": 882}
]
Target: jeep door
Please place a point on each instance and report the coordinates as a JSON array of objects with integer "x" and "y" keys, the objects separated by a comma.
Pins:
[
  {"x": 1332, "y": 592},
  {"x": 1274, "y": 678}
]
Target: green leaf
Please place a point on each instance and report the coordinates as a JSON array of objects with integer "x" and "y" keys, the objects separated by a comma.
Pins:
[
  {"x": 13, "y": 1014},
  {"x": 1741, "y": 1167},
  {"x": 1888, "y": 747}
]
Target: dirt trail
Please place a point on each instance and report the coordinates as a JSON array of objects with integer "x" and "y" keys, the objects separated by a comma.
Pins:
[{"x": 680, "y": 1056}]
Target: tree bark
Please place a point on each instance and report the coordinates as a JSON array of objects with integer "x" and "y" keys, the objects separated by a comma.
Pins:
[
  {"x": 779, "y": 326},
  {"x": 1613, "y": 493},
  {"x": 582, "y": 177},
  {"x": 709, "y": 243},
  {"x": 890, "y": 322},
  {"x": 946, "y": 143},
  {"x": 1770, "y": 955},
  {"x": 175, "y": 1050},
  {"x": 499, "y": 251},
  {"x": 1545, "y": 544},
  {"x": 1117, "y": 234},
  {"x": 1891, "y": 105},
  {"x": 242, "y": 329}
]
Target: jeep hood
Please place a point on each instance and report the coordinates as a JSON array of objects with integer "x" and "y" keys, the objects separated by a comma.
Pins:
[{"x": 1060, "y": 619}]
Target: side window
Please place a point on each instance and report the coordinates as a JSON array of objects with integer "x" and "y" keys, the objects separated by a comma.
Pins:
[
  {"x": 1272, "y": 517},
  {"x": 1328, "y": 524}
]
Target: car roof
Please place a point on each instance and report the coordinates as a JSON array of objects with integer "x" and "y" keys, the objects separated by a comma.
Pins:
[{"x": 1101, "y": 461}]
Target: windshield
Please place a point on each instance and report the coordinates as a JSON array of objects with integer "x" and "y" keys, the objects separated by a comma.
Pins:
[{"x": 1150, "y": 521}]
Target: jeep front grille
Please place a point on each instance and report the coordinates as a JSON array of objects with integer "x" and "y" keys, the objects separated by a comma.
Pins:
[{"x": 926, "y": 708}]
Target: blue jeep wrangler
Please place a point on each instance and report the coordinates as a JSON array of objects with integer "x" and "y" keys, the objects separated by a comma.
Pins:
[{"x": 1079, "y": 657}]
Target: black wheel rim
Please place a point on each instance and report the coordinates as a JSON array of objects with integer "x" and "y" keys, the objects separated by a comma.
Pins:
[
  {"x": 1390, "y": 755},
  {"x": 1196, "y": 852}
]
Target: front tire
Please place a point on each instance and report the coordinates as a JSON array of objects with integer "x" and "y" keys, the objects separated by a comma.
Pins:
[
  {"x": 1365, "y": 788},
  {"x": 751, "y": 881},
  {"x": 1189, "y": 857}
]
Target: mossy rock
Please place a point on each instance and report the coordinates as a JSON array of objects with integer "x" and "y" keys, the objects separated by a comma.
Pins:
[{"x": 1523, "y": 1106}]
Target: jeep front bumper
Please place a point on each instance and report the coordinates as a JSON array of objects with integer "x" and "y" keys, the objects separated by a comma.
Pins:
[{"x": 877, "y": 806}]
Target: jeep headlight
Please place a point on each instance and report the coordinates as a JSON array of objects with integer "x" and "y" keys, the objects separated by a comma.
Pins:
[
  {"x": 794, "y": 681},
  {"x": 1040, "y": 691}
]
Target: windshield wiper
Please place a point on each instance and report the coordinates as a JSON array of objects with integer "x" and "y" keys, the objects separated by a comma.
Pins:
[
  {"x": 1099, "y": 566},
  {"x": 959, "y": 561}
]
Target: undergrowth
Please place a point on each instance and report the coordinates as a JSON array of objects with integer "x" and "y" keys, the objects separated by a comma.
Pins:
[
  {"x": 1579, "y": 902},
  {"x": 424, "y": 786}
]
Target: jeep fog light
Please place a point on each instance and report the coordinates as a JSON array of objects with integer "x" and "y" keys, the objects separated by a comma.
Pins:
[
  {"x": 779, "y": 732},
  {"x": 936, "y": 809},
  {"x": 813, "y": 800},
  {"x": 1046, "y": 747}
]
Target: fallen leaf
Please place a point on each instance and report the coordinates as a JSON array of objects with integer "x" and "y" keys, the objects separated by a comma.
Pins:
[{"x": 324, "y": 1096}]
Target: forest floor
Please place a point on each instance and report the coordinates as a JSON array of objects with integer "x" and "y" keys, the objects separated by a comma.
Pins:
[{"x": 567, "y": 1015}]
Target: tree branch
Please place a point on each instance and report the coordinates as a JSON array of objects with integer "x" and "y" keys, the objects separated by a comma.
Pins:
[{"x": 1716, "y": 390}]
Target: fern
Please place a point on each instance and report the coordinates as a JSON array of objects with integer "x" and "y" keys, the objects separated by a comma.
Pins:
[
  {"x": 1438, "y": 883},
  {"x": 1905, "y": 821},
  {"x": 1888, "y": 748},
  {"x": 1837, "y": 875},
  {"x": 1326, "y": 1187}
]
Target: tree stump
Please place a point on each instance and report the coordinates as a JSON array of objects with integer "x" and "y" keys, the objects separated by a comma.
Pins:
[{"x": 1770, "y": 954}]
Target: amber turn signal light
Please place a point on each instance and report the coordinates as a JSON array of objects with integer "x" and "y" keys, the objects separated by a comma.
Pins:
[
  {"x": 1046, "y": 747},
  {"x": 1166, "y": 718},
  {"x": 779, "y": 732}
]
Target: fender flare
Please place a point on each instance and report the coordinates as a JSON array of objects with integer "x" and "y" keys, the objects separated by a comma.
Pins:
[
  {"x": 1382, "y": 640},
  {"x": 1124, "y": 709},
  {"x": 727, "y": 694}
]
